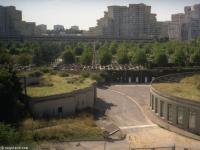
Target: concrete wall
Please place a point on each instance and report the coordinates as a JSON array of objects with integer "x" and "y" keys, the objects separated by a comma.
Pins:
[
  {"x": 189, "y": 119},
  {"x": 29, "y": 80},
  {"x": 69, "y": 103},
  {"x": 141, "y": 76}
]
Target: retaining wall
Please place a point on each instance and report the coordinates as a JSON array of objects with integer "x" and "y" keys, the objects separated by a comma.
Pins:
[
  {"x": 63, "y": 104},
  {"x": 180, "y": 112}
]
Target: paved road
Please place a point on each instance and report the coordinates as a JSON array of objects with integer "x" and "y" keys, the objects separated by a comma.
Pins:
[
  {"x": 124, "y": 104},
  {"x": 124, "y": 111}
]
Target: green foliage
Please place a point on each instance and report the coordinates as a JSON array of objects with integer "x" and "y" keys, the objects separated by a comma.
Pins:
[
  {"x": 160, "y": 58},
  {"x": 179, "y": 57},
  {"x": 5, "y": 58},
  {"x": 113, "y": 47},
  {"x": 24, "y": 59},
  {"x": 139, "y": 58},
  {"x": 105, "y": 57},
  {"x": 8, "y": 135},
  {"x": 85, "y": 74},
  {"x": 12, "y": 106},
  {"x": 122, "y": 55},
  {"x": 98, "y": 78},
  {"x": 86, "y": 57},
  {"x": 68, "y": 57},
  {"x": 78, "y": 51},
  {"x": 195, "y": 57}
]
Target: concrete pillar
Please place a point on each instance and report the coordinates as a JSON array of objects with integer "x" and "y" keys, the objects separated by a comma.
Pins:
[
  {"x": 174, "y": 118},
  {"x": 198, "y": 121},
  {"x": 165, "y": 111},
  {"x": 186, "y": 118}
]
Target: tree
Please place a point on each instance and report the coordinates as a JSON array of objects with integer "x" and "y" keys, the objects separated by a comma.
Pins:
[
  {"x": 8, "y": 135},
  {"x": 5, "y": 58},
  {"x": 68, "y": 57},
  {"x": 24, "y": 59},
  {"x": 113, "y": 47},
  {"x": 78, "y": 51},
  {"x": 86, "y": 57},
  {"x": 139, "y": 57},
  {"x": 12, "y": 105},
  {"x": 179, "y": 57},
  {"x": 105, "y": 57},
  {"x": 122, "y": 55},
  {"x": 195, "y": 57},
  {"x": 160, "y": 58}
]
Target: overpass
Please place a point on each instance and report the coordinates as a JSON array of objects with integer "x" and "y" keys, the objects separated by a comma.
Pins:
[{"x": 70, "y": 39}]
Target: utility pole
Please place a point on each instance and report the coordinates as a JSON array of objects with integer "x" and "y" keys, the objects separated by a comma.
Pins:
[{"x": 94, "y": 54}]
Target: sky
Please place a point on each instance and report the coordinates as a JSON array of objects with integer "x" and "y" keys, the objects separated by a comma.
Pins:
[{"x": 84, "y": 13}]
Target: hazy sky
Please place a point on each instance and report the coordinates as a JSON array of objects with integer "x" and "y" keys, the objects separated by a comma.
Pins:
[{"x": 84, "y": 13}]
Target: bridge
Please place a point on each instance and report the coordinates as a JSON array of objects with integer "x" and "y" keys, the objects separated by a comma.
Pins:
[{"x": 71, "y": 39}]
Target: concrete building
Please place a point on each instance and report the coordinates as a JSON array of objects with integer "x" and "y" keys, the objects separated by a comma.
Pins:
[
  {"x": 64, "y": 104},
  {"x": 9, "y": 18},
  {"x": 11, "y": 23},
  {"x": 75, "y": 28},
  {"x": 58, "y": 28},
  {"x": 135, "y": 21},
  {"x": 41, "y": 29},
  {"x": 185, "y": 26}
]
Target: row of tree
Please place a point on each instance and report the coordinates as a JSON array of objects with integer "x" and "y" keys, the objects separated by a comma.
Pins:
[{"x": 158, "y": 54}]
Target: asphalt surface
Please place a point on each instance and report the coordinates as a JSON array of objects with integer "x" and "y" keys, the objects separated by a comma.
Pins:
[
  {"x": 123, "y": 106},
  {"x": 123, "y": 111}
]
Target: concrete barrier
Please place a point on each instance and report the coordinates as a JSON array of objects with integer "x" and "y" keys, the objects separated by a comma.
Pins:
[
  {"x": 180, "y": 112},
  {"x": 63, "y": 104}
]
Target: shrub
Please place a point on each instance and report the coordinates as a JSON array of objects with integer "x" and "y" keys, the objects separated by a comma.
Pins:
[
  {"x": 85, "y": 74},
  {"x": 35, "y": 74},
  {"x": 45, "y": 70},
  {"x": 64, "y": 74},
  {"x": 8, "y": 135},
  {"x": 98, "y": 78}
]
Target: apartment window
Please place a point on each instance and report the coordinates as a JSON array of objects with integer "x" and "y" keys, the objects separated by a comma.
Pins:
[
  {"x": 169, "y": 112},
  {"x": 180, "y": 114},
  {"x": 192, "y": 120},
  {"x": 156, "y": 105},
  {"x": 60, "y": 110},
  {"x": 161, "y": 108}
]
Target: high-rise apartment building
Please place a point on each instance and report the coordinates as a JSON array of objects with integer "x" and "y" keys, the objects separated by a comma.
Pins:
[
  {"x": 185, "y": 26},
  {"x": 58, "y": 28},
  {"x": 9, "y": 18},
  {"x": 135, "y": 21},
  {"x": 11, "y": 23},
  {"x": 41, "y": 29}
]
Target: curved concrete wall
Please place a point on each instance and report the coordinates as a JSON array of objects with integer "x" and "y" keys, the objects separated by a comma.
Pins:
[
  {"x": 182, "y": 113},
  {"x": 63, "y": 104}
]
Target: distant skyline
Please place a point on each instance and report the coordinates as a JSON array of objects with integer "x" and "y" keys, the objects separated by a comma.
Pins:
[{"x": 84, "y": 13}]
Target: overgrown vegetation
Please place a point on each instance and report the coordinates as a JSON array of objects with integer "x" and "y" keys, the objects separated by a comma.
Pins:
[
  {"x": 188, "y": 88},
  {"x": 58, "y": 84},
  {"x": 80, "y": 127}
]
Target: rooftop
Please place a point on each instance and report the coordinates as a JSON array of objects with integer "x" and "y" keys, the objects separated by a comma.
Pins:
[{"x": 55, "y": 84}]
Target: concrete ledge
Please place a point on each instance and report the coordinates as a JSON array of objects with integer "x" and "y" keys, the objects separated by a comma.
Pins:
[
  {"x": 157, "y": 120},
  {"x": 176, "y": 114}
]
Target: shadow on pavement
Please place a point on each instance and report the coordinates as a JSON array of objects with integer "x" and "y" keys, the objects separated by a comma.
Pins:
[{"x": 101, "y": 107}]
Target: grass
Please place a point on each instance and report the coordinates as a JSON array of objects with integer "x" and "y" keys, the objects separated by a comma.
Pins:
[
  {"x": 188, "y": 87},
  {"x": 82, "y": 127},
  {"x": 55, "y": 84}
]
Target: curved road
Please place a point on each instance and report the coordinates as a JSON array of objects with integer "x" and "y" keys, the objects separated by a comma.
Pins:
[
  {"x": 125, "y": 111},
  {"x": 125, "y": 105}
]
